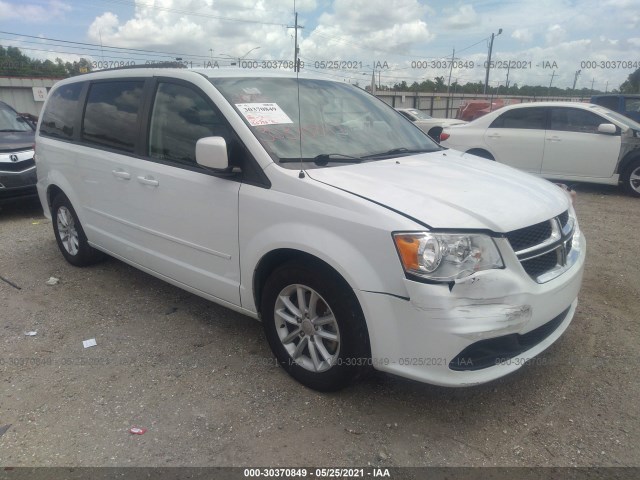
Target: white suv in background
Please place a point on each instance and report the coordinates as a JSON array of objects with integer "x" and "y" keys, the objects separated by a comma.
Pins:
[{"x": 356, "y": 239}]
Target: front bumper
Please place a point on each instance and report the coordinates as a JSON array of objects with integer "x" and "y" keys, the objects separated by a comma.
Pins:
[
  {"x": 16, "y": 185},
  {"x": 17, "y": 175},
  {"x": 432, "y": 336}
]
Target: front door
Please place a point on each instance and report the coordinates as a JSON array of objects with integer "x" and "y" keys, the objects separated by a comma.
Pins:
[
  {"x": 574, "y": 148},
  {"x": 187, "y": 216}
]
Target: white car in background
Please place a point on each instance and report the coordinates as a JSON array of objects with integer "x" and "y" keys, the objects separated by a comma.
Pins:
[
  {"x": 556, "y": 140},
  {"x": 428, "y": 124}
]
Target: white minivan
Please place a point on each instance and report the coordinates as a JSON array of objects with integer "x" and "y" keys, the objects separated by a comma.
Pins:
[{"x": 313, "y": 206}]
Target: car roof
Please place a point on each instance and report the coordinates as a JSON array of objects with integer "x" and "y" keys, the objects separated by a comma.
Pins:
[{"x": 211, "y": 73}]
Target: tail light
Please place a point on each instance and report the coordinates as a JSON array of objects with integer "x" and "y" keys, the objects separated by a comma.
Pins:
[{"x": 444, "y": 136}]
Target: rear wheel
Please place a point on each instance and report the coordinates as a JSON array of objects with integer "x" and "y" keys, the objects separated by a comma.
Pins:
[
  {"x": 70, "y": 236},
  {"x": 315, "y": 326},
  {"x": 631, "y": 179}
]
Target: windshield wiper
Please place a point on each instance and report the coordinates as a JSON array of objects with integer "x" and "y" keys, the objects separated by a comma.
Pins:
[
  {"x": 12, "y": 130},
  {"x": 393, "y": 151},
  {"x": 324, "y": 158}
]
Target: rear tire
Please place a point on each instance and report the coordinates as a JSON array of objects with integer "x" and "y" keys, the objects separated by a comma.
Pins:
[
  {"x": 315, "y": 326},
  {"x": 70, "y": 236},
  {"x": 631, "y": 179}
]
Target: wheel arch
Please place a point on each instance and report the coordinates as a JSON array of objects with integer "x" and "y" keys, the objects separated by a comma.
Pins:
[
  {"x": 628, "y": 159},
  {"x": 52, "y": 192},
  {"x": 273, "y": 259},
  {"x": 434, "y": 132},
  {"x": 481, "y": 152}
]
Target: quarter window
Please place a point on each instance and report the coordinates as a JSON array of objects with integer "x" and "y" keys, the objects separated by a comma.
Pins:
[
  {"x": 527, "y": 118},
  {"x": 111, "y": 115},
  {"x": 180, "y": 118},
  {"x": 59, "y": 116},
  {"x": 575, "y": 120}
]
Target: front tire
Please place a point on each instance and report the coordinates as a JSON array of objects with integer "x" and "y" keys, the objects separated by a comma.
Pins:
[
  {"x": 315, "y": 326},
  {"x": 631, "y": 179},
  {"x": 70, "y": 236}
]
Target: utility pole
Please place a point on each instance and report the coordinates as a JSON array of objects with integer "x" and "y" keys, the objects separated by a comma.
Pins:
[
  {"x": 507, "y": 81},
  {"x": 453, "y": 57},
  {"x": 486, "y": 78},
  {"x": 575, "y": 79},
  {"x": 606, "y": 88},
  {"x": 296, "y": 50},
  {"x": 552, "y": 76},
  {"x": 592, "y": 82}
]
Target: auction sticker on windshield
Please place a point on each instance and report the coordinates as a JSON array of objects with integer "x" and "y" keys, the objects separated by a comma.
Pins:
[{"x": 263, "y": 113}]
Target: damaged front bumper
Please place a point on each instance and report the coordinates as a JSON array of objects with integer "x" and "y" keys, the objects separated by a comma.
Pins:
[{"x": 473, "y": 331}]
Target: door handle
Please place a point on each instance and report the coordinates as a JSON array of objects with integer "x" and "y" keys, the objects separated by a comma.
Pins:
[
  {"x": 554, "y": 139},
  {"x": 121, "y": 174},
  {"x": 148, "y": 181},
  {"x": 494, "y": 135}
]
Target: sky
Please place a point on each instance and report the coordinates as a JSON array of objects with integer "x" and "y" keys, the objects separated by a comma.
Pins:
[{"x": 541, "y": 42}]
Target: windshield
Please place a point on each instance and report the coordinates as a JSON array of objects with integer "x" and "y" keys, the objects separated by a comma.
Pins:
[
  {"x": 340, "y": 123},
  {"x": 629, "y": 122},
  {"x": 10, "y": 121}
]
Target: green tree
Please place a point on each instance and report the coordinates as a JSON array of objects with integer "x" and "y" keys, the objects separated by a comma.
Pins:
[
  {"x": 13, "y": 63},
  {"x": 632, "y": 83}
]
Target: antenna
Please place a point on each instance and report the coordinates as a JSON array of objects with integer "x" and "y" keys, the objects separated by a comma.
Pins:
[
  {"x": 296, "y": 68},
  {"x": 301, "y": 174}
]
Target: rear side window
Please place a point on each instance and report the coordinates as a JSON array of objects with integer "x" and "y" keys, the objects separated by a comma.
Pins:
[
  {"x": 527, "y": 118},
  {"x": 58, "y": 118},
  {"x": 111, "y": 114}
]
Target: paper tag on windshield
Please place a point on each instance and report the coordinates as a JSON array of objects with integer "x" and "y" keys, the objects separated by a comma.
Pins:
[{"x": 263, "y": 113}]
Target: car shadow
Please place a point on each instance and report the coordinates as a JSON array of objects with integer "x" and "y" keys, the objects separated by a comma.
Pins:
[{"x": 29, "y": 208}]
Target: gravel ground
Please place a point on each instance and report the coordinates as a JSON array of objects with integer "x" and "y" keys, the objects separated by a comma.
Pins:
[{"x": 201, "y": 378}]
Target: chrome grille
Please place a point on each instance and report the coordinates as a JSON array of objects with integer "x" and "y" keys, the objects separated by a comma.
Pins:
[
  {"x": 529, "y": 236},
  {"x": 543, "y": 248}
]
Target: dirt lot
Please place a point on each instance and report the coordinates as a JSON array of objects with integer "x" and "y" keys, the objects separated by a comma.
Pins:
[{"x": 201, "y": 378}]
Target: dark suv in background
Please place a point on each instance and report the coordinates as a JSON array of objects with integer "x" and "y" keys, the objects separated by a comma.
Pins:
[
  {"x": 627, "y": 105},
  {"x": 17, "y": 167}
]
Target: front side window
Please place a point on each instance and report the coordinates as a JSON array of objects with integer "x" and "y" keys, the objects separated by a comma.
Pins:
[
  {"x": 181, "y": 117},
  {"x": 111, "y": 114},
  {"x": 524, "y": 118},
  {"x": 333, "y": 123},
  {"x": 59, "y": 117},
  {"x": 575, "y": 120}
]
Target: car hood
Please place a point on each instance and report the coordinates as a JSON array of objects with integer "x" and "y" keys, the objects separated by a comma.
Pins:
[
  {"x": 446, "y": 190},
  {"x": 16, "y": 141}
]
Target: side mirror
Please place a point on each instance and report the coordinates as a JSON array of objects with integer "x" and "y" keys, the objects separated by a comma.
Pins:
[
  {"x": 211, "y": 152},
  {"x": 607, "y": 128}
]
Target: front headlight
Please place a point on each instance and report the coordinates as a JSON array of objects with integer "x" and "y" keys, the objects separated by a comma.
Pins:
[{"x": 444, "y": 257}]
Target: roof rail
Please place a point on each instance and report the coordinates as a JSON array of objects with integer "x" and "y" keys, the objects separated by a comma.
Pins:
[{"x": 150, "y": 65}]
